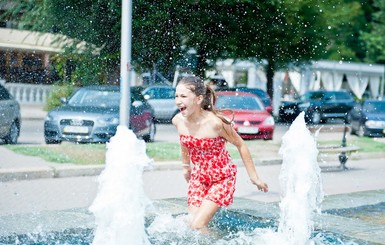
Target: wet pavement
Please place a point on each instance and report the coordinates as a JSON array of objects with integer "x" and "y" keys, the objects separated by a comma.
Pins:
[{"x": 30, "y": 185}]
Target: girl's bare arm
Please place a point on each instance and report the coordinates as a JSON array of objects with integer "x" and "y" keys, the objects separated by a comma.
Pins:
[{"x": 231, "y": 136}]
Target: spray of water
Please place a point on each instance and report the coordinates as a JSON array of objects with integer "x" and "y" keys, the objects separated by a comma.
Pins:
[
  {"x": 301, "y": 196},
  {"x": 300, "y": 180},
  {"x": 119, "y": 207}
]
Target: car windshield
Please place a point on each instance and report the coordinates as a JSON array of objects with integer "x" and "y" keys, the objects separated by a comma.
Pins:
[
  {"x": 374, "y": 107},
  {"x": 262, "y": 94},
  {"x": 86, "y": 97},
  {"x": 160, "y": 93},
  {"x": 239, "y": 103},
  {"x": 100, "y": 98},
  {"x": 312, "y": 96}
]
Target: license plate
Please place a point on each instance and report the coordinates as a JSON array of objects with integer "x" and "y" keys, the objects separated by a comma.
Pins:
[
  {"x": 248, "y": 130},
  {"x": 75, "y": 129}
]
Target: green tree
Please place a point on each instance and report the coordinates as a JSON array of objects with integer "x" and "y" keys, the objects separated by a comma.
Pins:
[
  {"x": 375, "y": 38},
  {"x": 282, "y": 32},
  {"x": 344, "y": 20},
  {"x": 155, "y": 25}
]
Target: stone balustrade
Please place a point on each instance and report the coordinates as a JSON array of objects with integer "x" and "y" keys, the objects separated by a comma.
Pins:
[{"x": 29, "y": 93}]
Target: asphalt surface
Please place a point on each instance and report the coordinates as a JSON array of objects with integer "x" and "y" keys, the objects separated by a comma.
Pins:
[
  {"x": 30, "y": 184},
  {"x": 15, "y": 167}
]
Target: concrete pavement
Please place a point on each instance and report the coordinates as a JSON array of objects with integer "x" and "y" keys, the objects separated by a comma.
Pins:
[{"x": 53, "y": 187}]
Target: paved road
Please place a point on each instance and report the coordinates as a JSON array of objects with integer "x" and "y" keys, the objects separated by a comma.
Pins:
[
  {"x": 79, "y": 192},
  {"x": 63, "y": 193},
  {"x": 32, "y": 132}
]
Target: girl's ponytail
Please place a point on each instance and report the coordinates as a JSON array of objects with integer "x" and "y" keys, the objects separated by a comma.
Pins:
[
  {"x": 208, "y": 104},
  {"x": 209, "y": 99}
]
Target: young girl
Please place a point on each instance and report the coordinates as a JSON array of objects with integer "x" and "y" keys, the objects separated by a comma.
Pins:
[{"x": 203, "y": 135}]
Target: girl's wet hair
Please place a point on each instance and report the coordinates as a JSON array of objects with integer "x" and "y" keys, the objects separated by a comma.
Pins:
[{"x": 197, "y": 86}]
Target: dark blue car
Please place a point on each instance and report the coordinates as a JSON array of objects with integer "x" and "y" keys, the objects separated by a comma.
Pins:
[
  {"x": 319, "y": 106},
  {"x": 368, "y": 118}
]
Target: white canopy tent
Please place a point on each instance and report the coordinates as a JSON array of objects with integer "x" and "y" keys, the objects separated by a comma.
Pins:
[
  {"x": 330, "y": 75},
  {"x": 13, "y": 39}
]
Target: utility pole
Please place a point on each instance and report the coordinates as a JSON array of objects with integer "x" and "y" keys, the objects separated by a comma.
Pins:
[{"x": 125, "y": 63}]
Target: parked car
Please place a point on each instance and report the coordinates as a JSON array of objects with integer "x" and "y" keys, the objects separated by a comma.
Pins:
[
  {"x": 368, "y": 118},
  {"x": 162, "y": 99},
  {"x": 251, "y": 120},
  {"x": 319, "y": 106},
  {"x": 265, "y": 98},
  {"x": 92, "y": 115},
  {"x": 10, "y": 117},
  {"x": 219, "y": 82},
  {"x": 262, "y": 95}
]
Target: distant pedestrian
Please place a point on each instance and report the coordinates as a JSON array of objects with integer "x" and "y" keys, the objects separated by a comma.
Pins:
[{"x": 203, "y": 133}]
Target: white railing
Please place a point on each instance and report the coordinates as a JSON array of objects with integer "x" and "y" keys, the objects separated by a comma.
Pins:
[{"x": 29, "y": 93}]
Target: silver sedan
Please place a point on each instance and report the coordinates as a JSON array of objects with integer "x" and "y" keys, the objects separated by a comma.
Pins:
[{"x": 10, "y": 118}]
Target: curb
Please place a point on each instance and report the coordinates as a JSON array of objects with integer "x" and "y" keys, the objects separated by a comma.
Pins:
[
  {"x": 61, "y": 171},
  {"x": 25, "y": 173},
  {"x": 17, "y": 174}
]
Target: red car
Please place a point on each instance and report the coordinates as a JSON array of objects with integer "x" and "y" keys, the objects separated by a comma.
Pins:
[{"x": 251, "y": 119}]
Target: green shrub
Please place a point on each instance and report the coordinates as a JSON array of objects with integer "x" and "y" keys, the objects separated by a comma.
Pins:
[{"x": 58, "y": 92}]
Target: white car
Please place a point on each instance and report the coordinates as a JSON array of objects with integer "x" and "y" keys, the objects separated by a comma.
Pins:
[{"x": 162, "y": 100}]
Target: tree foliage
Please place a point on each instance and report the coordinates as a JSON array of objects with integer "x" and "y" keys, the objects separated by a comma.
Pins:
[
  {"x": 281, "y": 32},
  {"x": 375, "y": 38}
]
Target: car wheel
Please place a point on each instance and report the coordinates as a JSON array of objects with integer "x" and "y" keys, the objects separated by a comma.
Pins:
[
  {"x": 13, "y": 134},
  {"x": 316, "y": 117},
  {"x": 50, "y": 142},
  {"x": 361, "y": 131},
  {"x": 348, "y": 118},
  {"x": 150, "y": 137},
  {"x": 352, "y": 130}
]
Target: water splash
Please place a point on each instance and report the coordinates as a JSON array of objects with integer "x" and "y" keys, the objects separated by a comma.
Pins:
[
  {"x": 119, "y": 207},
  {"x": 300, "y": 180}
]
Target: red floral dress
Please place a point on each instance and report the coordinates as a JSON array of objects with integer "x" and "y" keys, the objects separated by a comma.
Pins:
[{"x": 213, "y": 173}]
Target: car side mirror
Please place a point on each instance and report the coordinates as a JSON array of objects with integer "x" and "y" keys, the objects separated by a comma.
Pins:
[
  {"x": 63, "y": 100},
  {"x": 137, "y": 103},
  {"x": 146, "y": 97},
  {"x": 269, "y": 109}
]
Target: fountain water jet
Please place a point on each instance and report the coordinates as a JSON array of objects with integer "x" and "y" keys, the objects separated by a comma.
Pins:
[
  {"x": 300, "y": 180},
  {"x": 301, "y": 191},
  {"x": 119, "y": 207}
]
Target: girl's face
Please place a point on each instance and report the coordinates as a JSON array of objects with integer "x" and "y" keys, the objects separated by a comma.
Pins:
[{"x": 186, "y": 100}]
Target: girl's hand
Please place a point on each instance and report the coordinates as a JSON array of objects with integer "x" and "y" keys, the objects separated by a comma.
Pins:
[
  {"x": 187, "y": 173},
  {"x": 262, "y": 186}
]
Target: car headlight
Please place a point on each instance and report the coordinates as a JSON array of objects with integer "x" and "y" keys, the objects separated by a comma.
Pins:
[
  {"x": 269, "y": 121},
  {"x": 375, "y": 124},
  {"x": 108, "y": 120}
]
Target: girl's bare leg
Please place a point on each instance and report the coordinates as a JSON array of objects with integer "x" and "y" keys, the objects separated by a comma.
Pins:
[{"x": 201, "y": 216}]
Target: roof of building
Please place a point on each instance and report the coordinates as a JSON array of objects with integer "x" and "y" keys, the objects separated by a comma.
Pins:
[{"x": 13, "y": 39}]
